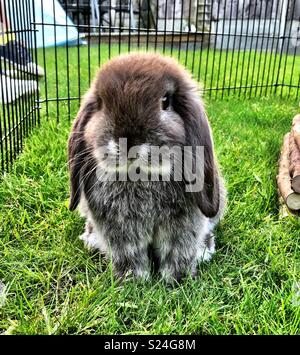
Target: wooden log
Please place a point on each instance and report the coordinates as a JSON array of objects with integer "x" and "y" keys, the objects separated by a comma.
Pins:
[
  {"x": 291, "y": 198},
  {"x": 294, "y": 163},
  {"x": 284, "y": 211},
  {"x": 296, "y": 129}
]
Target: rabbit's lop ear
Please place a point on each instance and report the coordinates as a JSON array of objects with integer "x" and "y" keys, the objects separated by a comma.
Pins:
[
  {"x": 77, "y": 148},
  {"x": 198, "y": 133}
]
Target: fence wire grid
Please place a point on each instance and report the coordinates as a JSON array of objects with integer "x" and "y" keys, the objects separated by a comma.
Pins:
[{"x": 243, "y": 48}]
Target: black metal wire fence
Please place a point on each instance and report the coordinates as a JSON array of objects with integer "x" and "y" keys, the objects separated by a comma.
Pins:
[
  {"x": 18, "y": 87},
  {"x": 246, "y": 48}
]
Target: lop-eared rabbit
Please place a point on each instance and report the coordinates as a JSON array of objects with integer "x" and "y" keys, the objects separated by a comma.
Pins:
[{"x": 145, "y": 100}]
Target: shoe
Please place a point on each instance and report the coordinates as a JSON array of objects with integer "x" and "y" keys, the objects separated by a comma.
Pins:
[
  {"x": 20, "y": 58},
  {"x": 12, "y": 89}
]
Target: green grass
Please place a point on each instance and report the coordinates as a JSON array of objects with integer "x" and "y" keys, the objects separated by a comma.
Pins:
[
  {"x": 55, "y": 286},
  {"x": 213, "y": 67}
]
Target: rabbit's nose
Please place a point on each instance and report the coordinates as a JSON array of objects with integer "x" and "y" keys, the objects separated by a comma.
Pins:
[{"x": 129, "y": 141}]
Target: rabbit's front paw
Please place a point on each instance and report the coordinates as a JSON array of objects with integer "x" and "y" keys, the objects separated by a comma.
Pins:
[
  {"x": 207, "y": 250},
  {"x": 92, "y": 240}
]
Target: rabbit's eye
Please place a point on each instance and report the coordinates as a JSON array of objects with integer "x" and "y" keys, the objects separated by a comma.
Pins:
[{"x": 166, "y": 102}]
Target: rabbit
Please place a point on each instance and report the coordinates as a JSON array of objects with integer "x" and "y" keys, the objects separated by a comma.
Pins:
[{"x": 149, "y": 100}]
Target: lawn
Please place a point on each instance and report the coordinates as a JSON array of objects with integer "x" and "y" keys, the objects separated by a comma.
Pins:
[
  {"x": 213, "y": 68},
  {"x": 53, "y": 285}
]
